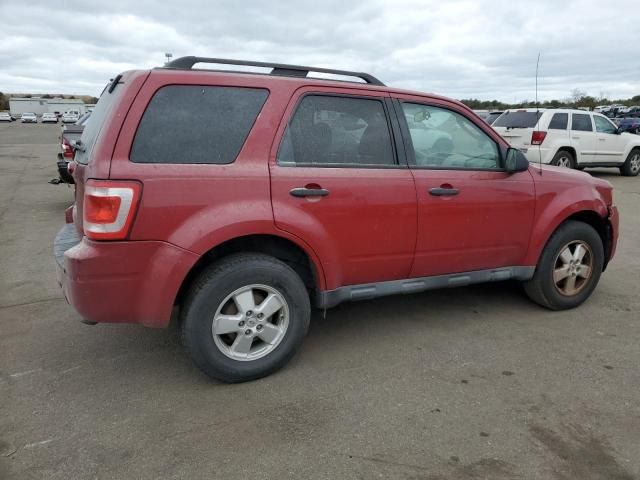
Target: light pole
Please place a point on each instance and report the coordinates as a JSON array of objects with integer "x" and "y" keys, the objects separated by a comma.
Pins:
[{"x": 169, "y": 56}]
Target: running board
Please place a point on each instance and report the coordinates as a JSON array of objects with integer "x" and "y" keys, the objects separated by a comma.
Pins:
[{"x": 331, "y": 298}]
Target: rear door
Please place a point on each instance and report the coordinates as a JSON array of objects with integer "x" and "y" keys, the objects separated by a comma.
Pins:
[
  {"x": 472, "y": 215},
  {"x": 583, "y": 137},
  {"x": 611, "y": 145},
  {"x": 339, "y": 184}
]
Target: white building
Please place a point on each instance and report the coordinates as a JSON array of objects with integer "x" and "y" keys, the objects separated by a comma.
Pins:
[{"x": 38, "y": 105}]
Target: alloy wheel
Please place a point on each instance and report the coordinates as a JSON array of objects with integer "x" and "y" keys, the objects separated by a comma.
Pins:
[
  {"x": 250, "y": 322},
  {"x": 634, "y": 163},
  {"x": 573, "y": 268}
]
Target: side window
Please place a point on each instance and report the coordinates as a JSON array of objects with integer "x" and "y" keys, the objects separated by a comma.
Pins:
[
  {"x": 581, "y": 122},
  {"x": 337, "y": 131},
  {"x": 559, "y": 121},
  {"x": 603, "y": 125},
  {"x": 442, "y": 138},
  {"x": 196, "y": 124}
]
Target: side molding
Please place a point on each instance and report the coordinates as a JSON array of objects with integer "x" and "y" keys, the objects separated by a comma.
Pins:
[{"x": 331, "y": 298}]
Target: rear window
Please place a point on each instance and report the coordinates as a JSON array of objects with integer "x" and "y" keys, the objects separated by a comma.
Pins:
[
  {"x": 492, "y": 117},
  {"x": 559, "y": 121},
  {"x": 92, "y": 129},
  {"x": 518, "y": 119},
  {"x": 196, "y": 124}
]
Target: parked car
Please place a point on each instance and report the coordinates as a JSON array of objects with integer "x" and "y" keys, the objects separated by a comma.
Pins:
[
  {"x": 70, "y": 117},
  {"x": 240, "y": 200},
  {"x": 6, "y": 117},
  {"x": 29, "y": 118},
  {"x": 631, "y": 125},
  {"x": 570, "y": 138},
  {"x": 68, "y": 137},
  {"x": 49, "y": 118}
]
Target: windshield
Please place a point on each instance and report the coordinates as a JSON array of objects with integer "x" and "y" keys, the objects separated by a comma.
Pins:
[{"x": 518, "y": 119}]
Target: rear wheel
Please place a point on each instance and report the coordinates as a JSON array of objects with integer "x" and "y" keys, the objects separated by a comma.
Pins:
[
  {"x": 563, "y": 158},
  {"x": 631, "y": 167},
  {"x": 245, "y": 317},
  {"x": 569, "y": 267}
]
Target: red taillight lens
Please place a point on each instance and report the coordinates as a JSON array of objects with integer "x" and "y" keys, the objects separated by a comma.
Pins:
[
  {"x": 109, "y": 207},
  {"x": 67, "y": 151},
  {"x": 537, "y": 138}
]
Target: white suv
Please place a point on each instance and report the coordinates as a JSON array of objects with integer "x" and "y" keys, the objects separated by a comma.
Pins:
[{"x": 570, "y": 138}]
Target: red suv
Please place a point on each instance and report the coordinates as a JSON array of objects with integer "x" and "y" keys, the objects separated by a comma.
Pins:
[{"x": 241, "y": 200}]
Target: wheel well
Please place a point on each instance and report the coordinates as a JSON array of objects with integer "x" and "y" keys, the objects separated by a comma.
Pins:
[
  {"x": 278, "y": 247},
  {"x": 571, "y": 150},
  {"x": 601, "y": 225}
]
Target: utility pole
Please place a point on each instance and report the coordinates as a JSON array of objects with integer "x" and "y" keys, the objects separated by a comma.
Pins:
[{"x": 169, "y": 56}]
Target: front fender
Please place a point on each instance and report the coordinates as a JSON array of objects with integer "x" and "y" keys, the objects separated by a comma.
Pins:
[{"x": 555, "y": 206}]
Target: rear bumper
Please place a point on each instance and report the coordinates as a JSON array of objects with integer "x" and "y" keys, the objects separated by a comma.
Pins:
[
  {"x": 538, "y": 155},
  {"x": 120, "y": 282},
  {"x": 614, "y": 226}
]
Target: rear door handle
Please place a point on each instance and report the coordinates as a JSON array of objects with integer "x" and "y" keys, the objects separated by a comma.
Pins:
[
  {"x": 309, "y": 192},
  {"x": 442, "y": 192}
]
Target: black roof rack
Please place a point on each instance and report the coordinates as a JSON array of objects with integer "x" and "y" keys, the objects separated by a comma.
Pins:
[{"x": 186, "y": 63}]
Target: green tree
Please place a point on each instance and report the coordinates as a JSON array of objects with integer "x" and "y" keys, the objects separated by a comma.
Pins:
[{"x": 4, "y": 102}]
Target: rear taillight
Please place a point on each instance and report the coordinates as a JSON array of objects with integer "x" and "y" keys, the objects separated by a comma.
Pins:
[
  {"x": 67, "y": 150},
  {"x": 109, "y": 207},
  {"x": 538, "y": 137}
]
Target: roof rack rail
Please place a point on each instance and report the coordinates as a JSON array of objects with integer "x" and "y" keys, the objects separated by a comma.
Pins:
[{"x": 187, "y": 63}]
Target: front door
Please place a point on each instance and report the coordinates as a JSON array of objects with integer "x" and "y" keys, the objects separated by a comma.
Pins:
[
  {"x": 338, "y": 184},
  {"x": 611, "y": 145},
  {"x": 472, "y": 215}
]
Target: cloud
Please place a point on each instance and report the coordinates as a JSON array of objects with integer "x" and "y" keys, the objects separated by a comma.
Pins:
[{"x": 483, "y": 49}]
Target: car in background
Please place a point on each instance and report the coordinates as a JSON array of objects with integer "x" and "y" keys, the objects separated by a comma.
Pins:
[
  {"x": 69, "y": 136},
  {"x": 29, "y": 117},
  {"x": 49, "y": 118},
  {"x": 70, "y": 117},
  {"x": 570, "y": 138},
  {"x": 6, "y": 117},
  {"x": 493, "y": 116},
  {"x": 631, "y": 125}
]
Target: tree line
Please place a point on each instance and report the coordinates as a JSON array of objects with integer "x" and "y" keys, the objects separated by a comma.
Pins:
[
  {"x": 577, "y": 99},
  {"x": 4, "y": 98}
]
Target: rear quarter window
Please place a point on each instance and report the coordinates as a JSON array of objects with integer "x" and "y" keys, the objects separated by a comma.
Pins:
[
  {"x": 517, "y": 119},
  {"x": 559, "y": 121},
  {"x": 196, "y": 124}
]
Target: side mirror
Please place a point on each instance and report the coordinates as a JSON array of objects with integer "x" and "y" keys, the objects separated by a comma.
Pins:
[{"x": 516, "y": 161}]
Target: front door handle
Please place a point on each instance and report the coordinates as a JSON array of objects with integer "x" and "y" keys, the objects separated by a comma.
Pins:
[
  {"x": 442, "y": 192},
  {"x": 308, "y": 192}
]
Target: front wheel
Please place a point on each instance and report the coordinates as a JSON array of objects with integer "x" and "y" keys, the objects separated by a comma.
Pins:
[
  {"x": 631, "y": 167},
  {"x": 244, "y": 317},
  {"x": 569, "y": 267}
]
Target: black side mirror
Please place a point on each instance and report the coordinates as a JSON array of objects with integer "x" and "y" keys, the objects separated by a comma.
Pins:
[{"x": 516, "y": 161}]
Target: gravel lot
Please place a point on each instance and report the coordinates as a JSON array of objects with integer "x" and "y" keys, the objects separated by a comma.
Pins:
[{"x": 468, "y": 383}]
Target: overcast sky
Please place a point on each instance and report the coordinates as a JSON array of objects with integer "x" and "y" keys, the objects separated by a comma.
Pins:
[{"x": 462, "y": 49}]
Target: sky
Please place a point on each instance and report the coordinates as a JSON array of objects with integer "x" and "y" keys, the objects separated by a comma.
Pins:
[{"x": 484, "y": 49}]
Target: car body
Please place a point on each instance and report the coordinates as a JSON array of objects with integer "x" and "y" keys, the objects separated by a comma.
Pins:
[
  {"x": 6, "y": 117},
  {"x": 268, "y": 193},
  {"x": 569, "y": 137},
  {"x": 493, "y": 116},
  {"x": 629, "y": 124},
  {"x": 29, "y": 117},
  {"x": 70, "y": 117},
  {"x": 49, "y": 118}
]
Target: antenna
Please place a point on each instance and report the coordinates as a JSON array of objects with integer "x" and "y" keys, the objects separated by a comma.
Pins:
[{"x": 538, "y": 115}]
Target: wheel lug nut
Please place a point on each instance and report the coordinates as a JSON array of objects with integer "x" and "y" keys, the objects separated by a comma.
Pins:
[
  {"x": 247, "y": 332},
  {"x": 241, "y": 324},
  {"x": 259, "y": 327},
  {"x": 249, "y": 313},
  {"x": 260, "y": 315}
]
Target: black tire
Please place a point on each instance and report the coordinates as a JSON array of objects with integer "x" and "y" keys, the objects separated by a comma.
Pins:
[
  {"x": 631, "y": 166},
  {"x": 560, "y": 155},
  {"x": 542, "y": 289},
  {"x": 208, "y": 293}
]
